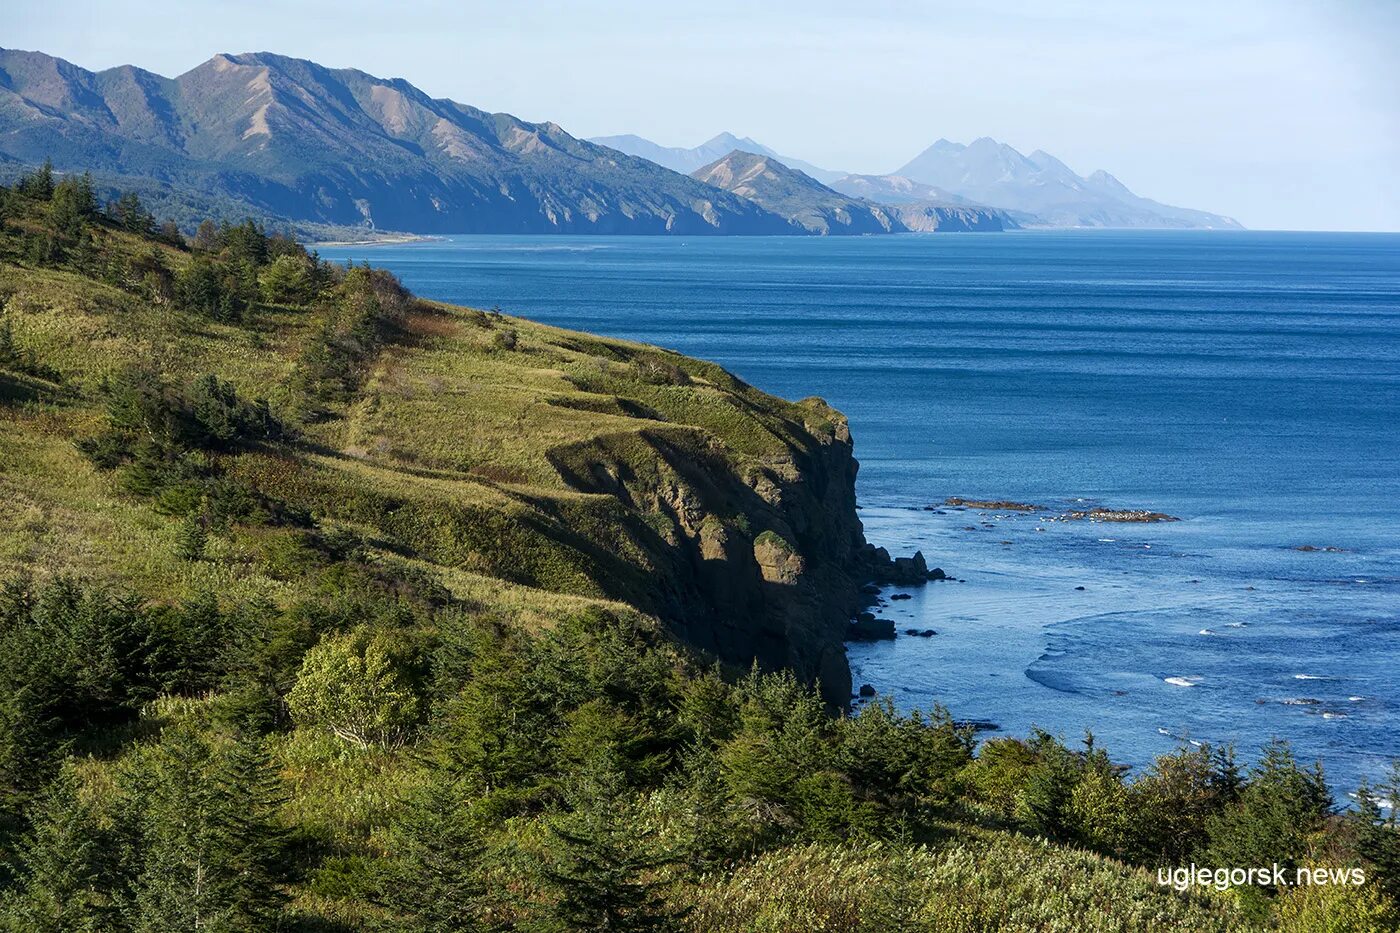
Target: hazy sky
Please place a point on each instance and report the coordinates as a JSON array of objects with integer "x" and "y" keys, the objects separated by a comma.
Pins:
[{"x": 1282, "y": 113}]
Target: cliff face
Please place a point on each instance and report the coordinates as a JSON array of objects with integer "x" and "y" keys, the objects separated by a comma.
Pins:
[{"x": 753, "y": 561}]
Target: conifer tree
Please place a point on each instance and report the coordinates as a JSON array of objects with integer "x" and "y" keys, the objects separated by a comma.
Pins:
[
  {"x": 606, "y": 872},
  {"x": 191, "y": 538},
  {"x": 176, "y": 886},
  {"x": 38, "y": 184},
  {"x": 67, "y": 875},
  {"x": 1378, "y": 832},
  {"x": 247, "y": 838},
  {"x": 438, "y": 879},
  {"x": 1278, "y": 808}
]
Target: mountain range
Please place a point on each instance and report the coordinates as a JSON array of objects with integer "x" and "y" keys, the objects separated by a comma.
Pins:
[
  {"x": 1042, "y": 186},
  {"x": 678, "y": 159},
  {"x": 281, "y": 138},
  {"x": 338, "y": 146},
  {"x": 1033, "y": 190},
  {"x": 822, "y": 210}
]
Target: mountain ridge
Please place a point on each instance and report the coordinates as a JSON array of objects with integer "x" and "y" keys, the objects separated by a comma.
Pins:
[
  {"x": 339, "y": 146},
  {"x": 681, "y": 159},
  {"x": 997, "y": 174},
  {"x": 796, "y": 195},
  {"x": 822, "y": 210}
]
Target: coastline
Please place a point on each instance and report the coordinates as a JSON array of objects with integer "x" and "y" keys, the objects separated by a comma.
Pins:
[{"x": 384, "y": 239}]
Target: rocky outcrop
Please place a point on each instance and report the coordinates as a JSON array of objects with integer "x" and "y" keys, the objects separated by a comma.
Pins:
[
  {"x": 748, "y": 560},
  {"x": 865, "y": 627},
  {"x": 874, "y": 564}
]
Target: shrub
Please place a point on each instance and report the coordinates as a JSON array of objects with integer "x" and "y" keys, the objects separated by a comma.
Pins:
[{"x": 354, "y": 686}]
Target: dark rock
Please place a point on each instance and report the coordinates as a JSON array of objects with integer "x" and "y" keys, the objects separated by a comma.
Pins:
[
  {"x": 927, "y": 633},
  {"x": 976, "y": 725},
  {"x": 911, "y": 631},
  {"x": 937, "y": 574},
  {"x": 1079, "y": 587},
  {"x": 868, "y": 628},
  {"x": 870, "y": 589},
  {"x": 877, "y": 566},
  {"x": 902, "y": 596},
  {"x": 866, "y": 690}
]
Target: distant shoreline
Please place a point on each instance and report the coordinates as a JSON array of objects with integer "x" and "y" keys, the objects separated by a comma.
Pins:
[{"x": 386, "y": 239}]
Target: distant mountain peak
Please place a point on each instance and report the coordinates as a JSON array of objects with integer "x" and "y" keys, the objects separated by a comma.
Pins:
[
  {"x": 683, "y": 160},
  {"x": 1041, "y": 188},
  {"x": 794, "y": 194}
]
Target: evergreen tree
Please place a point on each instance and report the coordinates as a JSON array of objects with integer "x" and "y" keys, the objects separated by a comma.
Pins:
[
  {"x": 38, "y": 184},
  {"x": 9, "y": 352},
  {"x": 606, "y": 871},
  {"x": 210, "y": 848},
  {"x": 128, "y": 212},
  {"x": 1278, "y": 809},
  {"x": 192, "y": 537},
  {"x": 1378, "y": 832},
  {"x": 438, "y": 878},
  {"x": 71, "y": 205},
  {"x": 176, "y": 887},
  {"x": 67, "y": 875},
  {"x": 248, "y": 840}
]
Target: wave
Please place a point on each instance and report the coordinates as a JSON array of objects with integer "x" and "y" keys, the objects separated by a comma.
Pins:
[{"x": 1182, "y": 681}]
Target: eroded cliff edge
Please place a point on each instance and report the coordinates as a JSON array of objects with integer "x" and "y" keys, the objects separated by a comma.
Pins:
[{"x": 753, "y": 559}]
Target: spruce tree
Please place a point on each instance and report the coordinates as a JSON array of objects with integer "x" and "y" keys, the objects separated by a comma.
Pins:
[
  {"x": 1378, "y": 832},
  {"x": 67, "y": 875},
  {"x": 437, "y": 882},
  {"x": 191, "y": 538},
  {"x": 606, "y": 871},
  {"x": 176, "y": 887},
  {"x": 248, "y": 842}
]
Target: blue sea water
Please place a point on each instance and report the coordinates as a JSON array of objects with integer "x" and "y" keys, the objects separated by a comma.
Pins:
[{"x": 1248, "y": 383}]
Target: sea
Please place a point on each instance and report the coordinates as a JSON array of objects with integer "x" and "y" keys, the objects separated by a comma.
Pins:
[{"x": 1247, "y": 383}]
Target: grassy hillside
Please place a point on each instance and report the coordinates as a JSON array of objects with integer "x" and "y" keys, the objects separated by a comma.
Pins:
[{"x": 326, "y": 608}]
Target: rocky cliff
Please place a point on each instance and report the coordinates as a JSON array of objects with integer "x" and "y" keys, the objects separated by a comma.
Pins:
[{"x": 752, "y": 560}]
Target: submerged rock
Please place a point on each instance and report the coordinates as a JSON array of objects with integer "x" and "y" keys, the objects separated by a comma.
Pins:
[
  {"x": 1120, "y": 515},
  {"x": 992, "y": 505}
]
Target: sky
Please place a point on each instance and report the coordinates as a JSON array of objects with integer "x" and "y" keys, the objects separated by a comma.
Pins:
[{"x": 1282, "y": 113}]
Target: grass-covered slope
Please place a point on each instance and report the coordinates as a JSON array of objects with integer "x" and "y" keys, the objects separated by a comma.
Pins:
[
  {"x": 473, "y": 446},
  {"x": 323, "y": 608}
]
